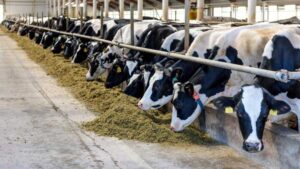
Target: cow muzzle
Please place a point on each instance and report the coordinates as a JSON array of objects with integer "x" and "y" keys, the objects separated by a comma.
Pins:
[{"x": 253, "y": 147}]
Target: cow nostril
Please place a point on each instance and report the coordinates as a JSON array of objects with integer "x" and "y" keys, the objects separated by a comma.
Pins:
[
  {"x": 172, "y": 128},
  {"x": 140, "y": 105}
]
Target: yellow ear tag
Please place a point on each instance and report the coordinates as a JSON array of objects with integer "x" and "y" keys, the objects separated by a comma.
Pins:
[
  {"x": 229, "y": 110},
  {"x": 273, "y": 112},
  {"x": 119, "y": 70},
  {"x": 85, "y": 50}
]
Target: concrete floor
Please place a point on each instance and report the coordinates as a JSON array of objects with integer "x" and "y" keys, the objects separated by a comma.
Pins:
[{"x": 40, "y": 128}]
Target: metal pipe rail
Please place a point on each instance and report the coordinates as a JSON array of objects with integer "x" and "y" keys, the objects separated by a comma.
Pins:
[{"x": 283, "y": 75}]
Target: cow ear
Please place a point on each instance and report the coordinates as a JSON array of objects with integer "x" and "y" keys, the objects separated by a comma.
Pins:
[
  {"x": 281, "y": 106},
  {"x": 223, "y": 102},
  {"x": 176, "y": 75}
]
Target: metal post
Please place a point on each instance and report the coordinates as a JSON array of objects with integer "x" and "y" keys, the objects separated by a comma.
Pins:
[
  {"x": 50, "y": 8},
  {"x": 121, "y": 6},
  {"x": 251, "y": 11},
  {"x": 102, "y": 22},
  {"x": 77, "y": 9},
  {"x": 132, "y": 23},
  {"x": 58, "y": 7},
  {"x": 200, "y": 10},
  {"x": 140, "y": 9},
  {"x": 165, "y": 8},
  {"x": 70, "y": 9},
  {"x": 63, "y": 7},
  {"x": 42, "y": 18},
  {"x": 95, "y": 9},
  {"x": 187, "y": 25},
  {"x": 81, "y": 19},
  {"x": 264, "y": 5},
  {"x": 37, "y": 18},
  {"x": 106, "y": 8},
  {"x": 84, "y": 9},
  {"x": 54, "y": 8}
]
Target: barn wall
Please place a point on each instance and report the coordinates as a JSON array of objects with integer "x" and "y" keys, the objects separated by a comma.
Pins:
[{"x": 16, "y": 7}]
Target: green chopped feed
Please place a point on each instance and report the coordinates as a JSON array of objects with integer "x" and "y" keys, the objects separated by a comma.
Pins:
[{"x": 117, "y": 113}]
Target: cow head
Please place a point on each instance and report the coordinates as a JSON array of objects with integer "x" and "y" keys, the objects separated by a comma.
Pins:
[
  {"x": 47, "y": 40},
  {"x": 102, "y": 62},
  {"x": 31, "y": 33},
  {"x": 190, "y": 98},
  {"x": 122, "y": 70},
  {"x": 160, "y": 89},
  {"x": 81, "y": 53},
  {"x": 59, "y": 45},
  {"x": 252, "y": 105},
  {"x": 38, "y": 37},
  {"x": 139, "y": 81},
  {"x": 70, "y": 47}
]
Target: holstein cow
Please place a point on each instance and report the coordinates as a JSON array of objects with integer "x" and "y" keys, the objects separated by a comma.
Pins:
[
  {"x": 239, "y": 40},
  {"x": 86, "y": 50},
  {"x": 153, "y": 39},
  {"x": 59, "y": 44},
  {"x": 105, "y": 60},
  {"x": 173, "y": 43},
  {"x": 156, "y": 94},
  {"x": 254, "y": 102}
]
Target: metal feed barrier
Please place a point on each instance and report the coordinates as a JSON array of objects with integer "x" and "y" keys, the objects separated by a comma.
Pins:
[{"x": 282, "y": 75}]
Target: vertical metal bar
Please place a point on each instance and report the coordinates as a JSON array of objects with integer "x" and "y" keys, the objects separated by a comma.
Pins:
[
  {"x": 121, "y": 10},
  {"x": 42, "y": 18},
  {"x": 106, "y": 8},
  {"x": 37, "y": 18},
  {"x": 95, "y": 9},
  {"x": 165, "y": 8},
  {"x": 58, "y": 7},
  {"x": 200, "y": 10},
  {"x": 81, "y": 19},
  {"x": 102, "y": 22},
  {"x": 77, "y": 9},
  {"x": 63, "y": 7},
  {"x": 140, "y": 9},
  {"x": 251, "y": 11},
  {"x": 70, "y": 9},
  {"x": 84, "y": 13},
  {"x": 132, "y": 23},
  {"x": 187, "y": 24}
]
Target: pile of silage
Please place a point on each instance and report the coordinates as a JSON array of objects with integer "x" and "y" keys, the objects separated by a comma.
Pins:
[{"x": 118, "y": 114}]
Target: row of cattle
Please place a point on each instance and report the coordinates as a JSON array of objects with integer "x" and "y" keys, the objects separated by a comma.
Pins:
[{"x": 189, "y": 86}]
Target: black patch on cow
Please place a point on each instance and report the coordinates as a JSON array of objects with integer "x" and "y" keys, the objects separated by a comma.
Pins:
[
  {"x": 185, "y": 105},
  {"x": 284, "y": 56}
]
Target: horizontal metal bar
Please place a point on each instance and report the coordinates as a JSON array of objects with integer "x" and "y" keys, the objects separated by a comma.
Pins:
[{"x": 283, "y": 75}]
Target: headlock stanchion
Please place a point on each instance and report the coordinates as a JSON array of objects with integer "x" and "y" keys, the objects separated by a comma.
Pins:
[{"x": 282, "y": 75}]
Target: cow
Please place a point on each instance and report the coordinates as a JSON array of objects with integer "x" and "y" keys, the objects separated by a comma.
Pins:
[
  {"x": 254, "y": 101},
  {"x": 155, "y": 96},
  {"x": 110, "y": 29},
  {"x": 105, "y": 60},
  {"x": 152, "y": 38},
  {"x": 173, "y": 43},
  {"x": 58, "y": 46}
]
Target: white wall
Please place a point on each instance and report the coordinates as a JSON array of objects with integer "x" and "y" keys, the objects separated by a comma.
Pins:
[
  {"x": 1, "y": 12},
  {"x": 20, "y": 7}
]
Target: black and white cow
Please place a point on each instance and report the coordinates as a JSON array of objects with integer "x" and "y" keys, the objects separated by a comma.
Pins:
[
  {"x": 110, "y": 29},
  {"x": 155, "y": 96},
  {"x": 58, "y": 46},
  {"x": 152, "y": 38},
  {"x": 105, "y": 60},
  {"x": 253, "y": 102},
  {"x": 173, "y": 43},
  {"x": 139, "y": 81},
  {"x": 258, "y": 35}
]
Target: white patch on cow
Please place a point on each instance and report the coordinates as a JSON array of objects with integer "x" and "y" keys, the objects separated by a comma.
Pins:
[
  {"x": 133, "y": 78},
  {"x": 109, "y": 24},
  {"x": 168, "y": 41},
  {"x": 131, "y": 65},
  {"x": 146, "y": 75},
  {"x": 252, "y": 99},
  {"x": 178, "y": 124},
  {"x": 146, "y": 102},
  {"x": 268, "y": 50}
]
